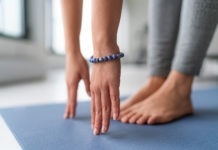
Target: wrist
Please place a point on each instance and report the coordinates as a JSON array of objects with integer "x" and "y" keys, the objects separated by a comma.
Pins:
[
  {"x": 72, "y": 46},
  {"x": 72, "y": 50},
  {"x": 105, "y": 48},
  {"x": 106, "y": 51},
  {"x": 106, "y": 58},
  {"x": 73, "y": 54}
]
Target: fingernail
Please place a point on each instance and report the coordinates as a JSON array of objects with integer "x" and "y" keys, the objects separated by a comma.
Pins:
[
  {"x": 95, "y": 132},
  {"x": 65, "y": 116},
  {"x": 114, "y": 116},
  {"x": 103, "y": 129}
]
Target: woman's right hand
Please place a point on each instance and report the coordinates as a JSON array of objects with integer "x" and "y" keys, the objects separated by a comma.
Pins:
[
  {"x": 76, "y": 69},
  {"x": 105, "y": 82}
]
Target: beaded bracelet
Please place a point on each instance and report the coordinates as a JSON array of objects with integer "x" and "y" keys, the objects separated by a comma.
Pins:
[{"x": 106, "y": 58}]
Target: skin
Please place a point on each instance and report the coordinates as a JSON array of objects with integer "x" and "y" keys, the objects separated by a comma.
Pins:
[
  {"x": 76, "y": 65},
  {"x": 169, "y": 102},
  {"x": 151, "y": 86},
  {"x": 105, "y": 77}
]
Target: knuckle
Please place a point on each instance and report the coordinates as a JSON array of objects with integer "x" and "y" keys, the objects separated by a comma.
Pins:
[
  {"x": 105, "y": 120},
  {"x": 98, "y": 121},
  {"x": 106, "y": 109},
  {"x": 98, "y": 113},
  {"x": 114, "y": 84},
  {"x": 115, "y": 100},
  {"x": 113, "y": 97},
  {"x": 94, "y": 88}
]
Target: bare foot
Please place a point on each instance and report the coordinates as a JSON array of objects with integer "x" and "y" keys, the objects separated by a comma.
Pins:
[
  {"x": 170, "y": 102},
  {"x": 152, "y": 85}
]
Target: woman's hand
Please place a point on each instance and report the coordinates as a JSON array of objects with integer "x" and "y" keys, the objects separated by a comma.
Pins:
[
  {"x": 105, "y": 82},
  {"x": 76, "y": 70}
]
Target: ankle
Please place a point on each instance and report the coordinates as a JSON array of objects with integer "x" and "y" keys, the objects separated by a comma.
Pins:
[
  {"x": 181, "y": 82},
  {"x": 180, "y": 78},
  {"x": 158, "y": 81}
]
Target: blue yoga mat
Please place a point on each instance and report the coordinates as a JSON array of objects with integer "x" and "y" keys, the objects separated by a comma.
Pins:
[{"x": 42, "y": 128}]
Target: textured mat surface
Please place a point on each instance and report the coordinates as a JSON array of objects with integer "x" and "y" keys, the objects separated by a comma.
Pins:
[{"x": 42, "y": 128}]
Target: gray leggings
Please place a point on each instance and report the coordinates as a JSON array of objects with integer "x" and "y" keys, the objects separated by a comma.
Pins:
[{"x": 186, "y": 26}]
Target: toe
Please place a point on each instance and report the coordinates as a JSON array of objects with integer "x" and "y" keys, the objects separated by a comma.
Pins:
[
  {"x": 126, "y": 118},
  {"x": 142, "y": 120},
  {"x": 125, "y": 112},
  {"x": 153, "y": 120},
  {"x": 134, "y": 118}
]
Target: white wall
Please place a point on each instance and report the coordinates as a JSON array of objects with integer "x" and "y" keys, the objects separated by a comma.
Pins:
[
  {"x": 137, "y": 13},
  {"x": 24, "y": 58},
  {"x": 213, "y": 49}
]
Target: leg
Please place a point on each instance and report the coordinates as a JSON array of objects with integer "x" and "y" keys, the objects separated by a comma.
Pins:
[
  {"x": 105, "y": 78},
  {"x": 163, "y": 26},
  {"x": 163, "y": 29},
  {"x": 172, "y": 100},
  {"x": 198, "y": 23}
]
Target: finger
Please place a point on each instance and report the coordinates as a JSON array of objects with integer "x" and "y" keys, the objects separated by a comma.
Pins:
[
  {"x": 72, "y": 99},
  {"x": 98, "y": 113},
  {"x": 86, "y": 80},
  {"x": 67, "y": 112},
  {"x": 115, "y": 101},
  {"x": 93, "y": 111},
  {"x": 106, "y": 110}
]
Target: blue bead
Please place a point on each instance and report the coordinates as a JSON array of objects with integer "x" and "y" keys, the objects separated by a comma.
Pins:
[
  {"x": 90, "y": 60},
  {"x": 114, "y": 56},
  {"x": 105, "y": 58},
  {"x": 100, "y": 59},
  {"x": 109, "y": 57},
  {"x": 121, "y": 54}
]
